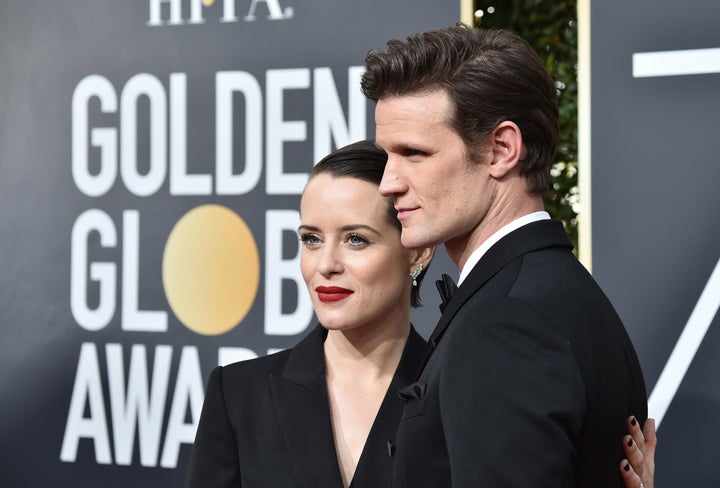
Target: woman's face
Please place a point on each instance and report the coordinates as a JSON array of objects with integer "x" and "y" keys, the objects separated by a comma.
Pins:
[{"x": 355, "y": 269}]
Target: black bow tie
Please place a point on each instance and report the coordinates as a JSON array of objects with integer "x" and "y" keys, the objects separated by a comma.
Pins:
[{"x": 447, "y": 288}]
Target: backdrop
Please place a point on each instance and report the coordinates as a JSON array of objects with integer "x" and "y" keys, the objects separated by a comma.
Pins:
[
  {"x": 655, "y": 234},
  {"x": 151, "y": 156}
]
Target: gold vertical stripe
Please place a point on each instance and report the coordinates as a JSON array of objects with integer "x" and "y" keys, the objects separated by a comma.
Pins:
[
  {"x": 584, "y": 139},
  {"x": 466, "y": 11}
]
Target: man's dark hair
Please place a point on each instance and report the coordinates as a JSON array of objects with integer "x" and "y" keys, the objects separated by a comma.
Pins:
[{"x": 490, "y": 76}]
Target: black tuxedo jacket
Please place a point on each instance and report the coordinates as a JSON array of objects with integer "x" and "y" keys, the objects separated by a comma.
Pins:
[
  {"x": 266, "y": 423},
  {"x": 530, "y": 381}
]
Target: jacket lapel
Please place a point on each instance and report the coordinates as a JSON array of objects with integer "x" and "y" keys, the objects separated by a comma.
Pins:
[
  {"x": 532, "y": 237},
  {"x": 303, "y": 412},
  {"x": 375, "y": 465}
]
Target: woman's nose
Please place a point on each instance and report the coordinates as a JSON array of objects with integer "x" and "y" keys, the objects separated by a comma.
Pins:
[{"x": 330, "y": 262}]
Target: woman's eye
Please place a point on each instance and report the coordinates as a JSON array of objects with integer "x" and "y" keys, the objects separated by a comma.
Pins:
[
  {"x": 309, "y": 240},
  {"x": 356, "y": 240}
]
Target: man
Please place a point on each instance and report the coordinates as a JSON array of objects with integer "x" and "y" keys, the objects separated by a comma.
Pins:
[{"x": 532, "y": 373}]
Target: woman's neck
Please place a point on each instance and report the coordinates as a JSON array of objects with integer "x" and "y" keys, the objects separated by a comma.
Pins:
[
  {"x": 368, "y": 354},
  {"x": 359, "y": 367}
]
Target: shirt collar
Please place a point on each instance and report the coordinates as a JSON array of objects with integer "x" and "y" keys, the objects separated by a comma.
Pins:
[{"x": 499, "y": 234}]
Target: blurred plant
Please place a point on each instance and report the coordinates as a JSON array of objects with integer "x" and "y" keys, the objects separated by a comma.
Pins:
[{"x": 551, "y": 28}]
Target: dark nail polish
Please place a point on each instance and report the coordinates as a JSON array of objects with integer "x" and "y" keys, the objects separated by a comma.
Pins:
[
  {"x": 627, "y": 467},
  {"x": 633, "y": 422},
  {"x": 630, "y": 441}
]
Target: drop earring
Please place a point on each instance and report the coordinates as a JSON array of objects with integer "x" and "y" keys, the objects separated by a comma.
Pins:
[{"x": 415, "y": 273}]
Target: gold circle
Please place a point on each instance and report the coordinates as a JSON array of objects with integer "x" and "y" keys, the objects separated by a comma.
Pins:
[
  {"x": 207, "y": 3},
  {"x": 211, "y": 269}
]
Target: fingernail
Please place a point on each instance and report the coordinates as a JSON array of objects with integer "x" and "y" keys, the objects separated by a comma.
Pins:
[
  {"x": 630, "y": 442},
  {"x": 633, "y": 422},
  {"x": 627, "y": 467}
]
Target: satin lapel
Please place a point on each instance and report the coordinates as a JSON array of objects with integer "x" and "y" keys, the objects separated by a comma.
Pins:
[
  {"x": 528, "y": 238},
  {"x": 303, "y": 412}
]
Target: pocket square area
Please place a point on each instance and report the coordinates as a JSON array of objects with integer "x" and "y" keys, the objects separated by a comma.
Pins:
[{"x": 412, "y": 391}]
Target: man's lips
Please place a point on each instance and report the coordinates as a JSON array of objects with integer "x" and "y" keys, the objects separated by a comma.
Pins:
[
  {"x": 404, "y": 212},
  {"x": 332, "y": 293}
]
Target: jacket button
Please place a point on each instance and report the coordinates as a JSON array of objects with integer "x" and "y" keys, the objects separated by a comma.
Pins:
[{"x": 390, "y": 448}]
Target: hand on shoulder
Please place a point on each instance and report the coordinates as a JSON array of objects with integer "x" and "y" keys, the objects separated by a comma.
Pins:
[{"x": 638, "y": 467}]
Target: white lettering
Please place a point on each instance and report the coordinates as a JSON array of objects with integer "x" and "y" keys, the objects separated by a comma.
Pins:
[
  {"x": 229, "y": 11},
  {"x": 87, "y": 391},
  {"x": 147, "y": 85},
  {"x": 226, "y": 83},
  {"x": 104, "y": 138},
  {"x": 136, "y": 405},
  {"x": 276, "y": 270},
  {"x": 196, "y": 12},
  {"x": 276, "y": 13},
  {"x": 331, "y": 127},
  {"x": 181, "y": 183},
  {"x": 189, "y": 391},
  {"x": 155, "y": 12},
  {"x": 134, "y": 408},
  {"x": 328, "y": 113},
  {"x": 92, "y": 220},
  {"x": 134, "y": 319},
  {"x": 279, "y": 131}
]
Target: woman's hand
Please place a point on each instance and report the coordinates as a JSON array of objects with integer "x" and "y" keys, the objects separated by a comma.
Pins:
[{"x": 638, "y": 467}]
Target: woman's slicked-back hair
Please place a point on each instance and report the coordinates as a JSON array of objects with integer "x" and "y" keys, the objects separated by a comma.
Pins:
[{"x": 362, "y": 160}]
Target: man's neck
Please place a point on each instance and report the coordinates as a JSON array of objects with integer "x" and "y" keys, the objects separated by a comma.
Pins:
[{"x": 460, "y": 248}]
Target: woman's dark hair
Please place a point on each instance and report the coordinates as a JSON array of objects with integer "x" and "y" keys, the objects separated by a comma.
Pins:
[{"x": 364, "y": 161}]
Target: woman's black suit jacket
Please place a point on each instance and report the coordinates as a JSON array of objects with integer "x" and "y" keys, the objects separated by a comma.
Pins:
[
  {"x": 266, "y": 423},
  {"x": 530, "y": 381}
]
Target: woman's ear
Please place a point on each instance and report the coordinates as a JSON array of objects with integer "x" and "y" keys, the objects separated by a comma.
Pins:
[
  {"x": 421, "y": 256},
  {"x": 507, "y": 148}
]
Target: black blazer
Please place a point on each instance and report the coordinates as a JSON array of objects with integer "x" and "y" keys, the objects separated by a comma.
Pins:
[
  {"x": 266, "y": 423},
  {"x": 531, "y": 378}
]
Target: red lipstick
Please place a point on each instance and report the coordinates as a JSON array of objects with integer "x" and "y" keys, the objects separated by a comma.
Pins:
[{"x": 328, "y": 294}]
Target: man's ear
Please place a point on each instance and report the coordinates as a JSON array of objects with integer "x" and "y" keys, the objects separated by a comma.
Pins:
[{"x": 507, "y": 148}]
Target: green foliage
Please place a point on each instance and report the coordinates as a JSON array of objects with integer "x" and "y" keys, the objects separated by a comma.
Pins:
[{"x": 551, "y": 28}]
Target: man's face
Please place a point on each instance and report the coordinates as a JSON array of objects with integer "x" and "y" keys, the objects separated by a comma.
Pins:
[{"x": 439, "y": 193}]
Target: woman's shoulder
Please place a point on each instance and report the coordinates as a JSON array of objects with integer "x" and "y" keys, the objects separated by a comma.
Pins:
[
  {"x": 308, "y": 351},
  {"x": 259, "y": 367}
]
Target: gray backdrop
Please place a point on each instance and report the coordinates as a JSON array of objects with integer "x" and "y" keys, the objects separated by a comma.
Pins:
[
  {"x": 284, "y": 64},
  {"x": 655, "y": 200},
  {"x": 116, "y": 120}
]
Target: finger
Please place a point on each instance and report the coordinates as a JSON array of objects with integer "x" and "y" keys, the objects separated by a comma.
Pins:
[
  {"x": 629, "y": 477},
  {"x": 633, "y": 453},
  {"x": 650, "y": 437},
  {"x": 635, "y": 431}
]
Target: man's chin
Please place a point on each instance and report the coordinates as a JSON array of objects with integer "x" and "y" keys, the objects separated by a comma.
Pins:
[{"x": 410, "y": 240}]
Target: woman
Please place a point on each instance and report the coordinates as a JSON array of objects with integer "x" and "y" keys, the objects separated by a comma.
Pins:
[{"x": 324, "y": 413}]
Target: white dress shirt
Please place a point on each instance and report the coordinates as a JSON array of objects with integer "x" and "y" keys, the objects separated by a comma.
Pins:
[{"x": 502, "y": 232}]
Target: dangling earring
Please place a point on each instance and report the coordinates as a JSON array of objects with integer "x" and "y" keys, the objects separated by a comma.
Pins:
[{"x": 415, "y": 273}]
